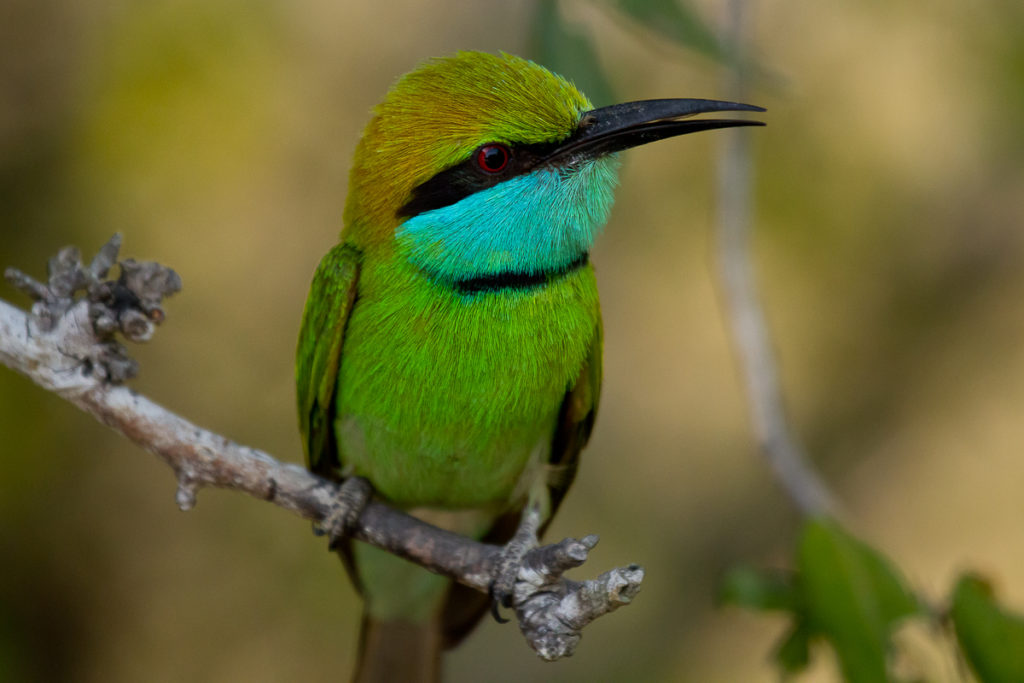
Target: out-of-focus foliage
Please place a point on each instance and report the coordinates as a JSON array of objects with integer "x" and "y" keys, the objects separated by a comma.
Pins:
[
  {"x": 992, "y": 638},
  {"x": 852, "y": 597},
  {"x": 761, "y": 589},
  {"x": 216, "y": 136},
  {"x": 674, "y": 20},
  {"x": 842, "y": 591},
  {"x": 848, "y": 594},
  {"x": 570, "y": 51}
]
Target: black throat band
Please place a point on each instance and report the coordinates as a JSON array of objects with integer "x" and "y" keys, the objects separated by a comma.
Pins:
[{"x": 509, "y": 281}]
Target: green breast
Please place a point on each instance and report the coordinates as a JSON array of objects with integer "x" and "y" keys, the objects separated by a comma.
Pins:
[{"x": 445, "y": 399}]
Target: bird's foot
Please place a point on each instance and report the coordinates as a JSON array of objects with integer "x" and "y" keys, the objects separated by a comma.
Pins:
[
  {"x": 353, "y": 496},
  {"x": 510, "y": 562}
]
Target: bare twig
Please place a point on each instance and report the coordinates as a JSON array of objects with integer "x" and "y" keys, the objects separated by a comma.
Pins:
[
  {"x": 749, "y": 331},
  {"x": 67, "y": 346}
]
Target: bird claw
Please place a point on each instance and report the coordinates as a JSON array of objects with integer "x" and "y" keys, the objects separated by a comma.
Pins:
[
  {"x": 510, "y": 562},
  {"x": 506, "y": 571},
  {"x": 353, "y": 496}
]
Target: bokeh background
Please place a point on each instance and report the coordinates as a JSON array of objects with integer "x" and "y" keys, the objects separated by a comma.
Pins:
[{"x": 216, "y": 136}]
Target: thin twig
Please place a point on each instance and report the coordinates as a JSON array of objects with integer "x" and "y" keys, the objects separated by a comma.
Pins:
[{"x": 743, "y": 309}]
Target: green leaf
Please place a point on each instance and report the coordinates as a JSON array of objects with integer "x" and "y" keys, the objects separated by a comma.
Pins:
[
  {"x": 852, "y": 596},
  {"x": 794, "y": 652},
  {"x": 674, "y": 21},
  {"x": 991, "y": 638},
  {"x": 568, "y": 51},
  {"x": 760, "y": 589}
]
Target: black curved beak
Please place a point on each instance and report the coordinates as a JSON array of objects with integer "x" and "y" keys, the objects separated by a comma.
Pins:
[{"x": 612, "y": 129}]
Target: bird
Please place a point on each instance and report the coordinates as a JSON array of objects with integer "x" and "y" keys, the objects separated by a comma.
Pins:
[{"x": 451, "y": 344}]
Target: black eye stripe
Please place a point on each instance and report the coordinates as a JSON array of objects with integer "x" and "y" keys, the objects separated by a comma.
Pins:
[{"x": 465, "y": 178}]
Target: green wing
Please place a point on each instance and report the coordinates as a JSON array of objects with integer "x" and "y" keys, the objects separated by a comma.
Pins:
[
  {"x": 575, "y": 422},
  {"x": 318, "y": 356}
]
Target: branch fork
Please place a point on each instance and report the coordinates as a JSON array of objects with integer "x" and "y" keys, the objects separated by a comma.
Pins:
[
  {"x": 552, "y": 610},
  {"x": 68, "y": 345}
]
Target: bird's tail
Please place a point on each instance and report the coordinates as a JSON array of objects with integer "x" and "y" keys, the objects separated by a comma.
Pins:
[{"x": 401, "y": 651}]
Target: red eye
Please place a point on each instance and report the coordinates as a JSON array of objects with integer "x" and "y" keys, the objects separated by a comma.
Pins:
[{"x": 493, "y": 158}]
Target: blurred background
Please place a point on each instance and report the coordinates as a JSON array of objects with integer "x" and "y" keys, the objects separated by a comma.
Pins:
[{"x": 216, "y": 136}]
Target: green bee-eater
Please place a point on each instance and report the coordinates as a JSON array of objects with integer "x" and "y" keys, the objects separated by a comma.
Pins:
[{"x": 450, "y": 350}]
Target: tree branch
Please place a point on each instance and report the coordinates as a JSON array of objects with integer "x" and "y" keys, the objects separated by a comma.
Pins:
[
  {"x": 750, "y": 336},
  {"x": 67, "y": 345}
]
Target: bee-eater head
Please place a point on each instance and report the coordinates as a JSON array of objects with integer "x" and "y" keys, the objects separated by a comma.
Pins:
[{"x": 481, "y": 165}]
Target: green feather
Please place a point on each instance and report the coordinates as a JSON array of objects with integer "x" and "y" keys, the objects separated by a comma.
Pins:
[
  {"x": 320, "y": 340},
  {"x": 444, "y": 398}
]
